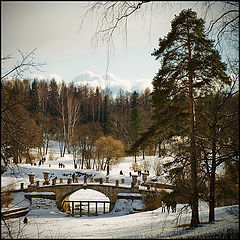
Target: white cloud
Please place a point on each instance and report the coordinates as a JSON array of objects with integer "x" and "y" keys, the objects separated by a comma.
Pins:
[
  {"x": 103, "y": 80},
  {"x": 113, "y": 82},
  {"x": 57, "y": 78},
  {"x": 141, "y": 84}
]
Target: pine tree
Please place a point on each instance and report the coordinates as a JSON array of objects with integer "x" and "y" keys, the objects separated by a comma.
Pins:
[
  {"x": 33, "y": 105},
  {"x": 52, "y": 106},
  {"x": 189, "y": 67},
  {"x": 136, "y": 120}
]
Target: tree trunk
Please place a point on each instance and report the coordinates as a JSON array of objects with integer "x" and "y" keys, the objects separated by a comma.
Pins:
[
  {"x": 212, "y": 181},
  {"x": 193, "y": 158},
  {"x": 47, "y": 146},
  {"x": 82, "y": 160},
  {"x": 159, "y": 150},
  {"x": 212, "y": 199},
  {"x": 107, "y": 166}
]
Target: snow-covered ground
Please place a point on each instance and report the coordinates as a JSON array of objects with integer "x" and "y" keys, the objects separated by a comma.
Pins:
[{"x": 46, "y": 221}]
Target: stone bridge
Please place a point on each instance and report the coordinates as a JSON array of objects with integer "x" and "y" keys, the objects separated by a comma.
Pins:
[{"x": 64, "y": 190}]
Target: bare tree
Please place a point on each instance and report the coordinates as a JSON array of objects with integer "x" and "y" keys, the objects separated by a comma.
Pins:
[
  {"x": 157, "y": 167},
  {"x": 224, "y": 28},
  {"x": 25, "y": 64},
  {"x": 226, "y": 24},
  {"x": 73, "y": 116},
  {"x": 112, "y": 18}
]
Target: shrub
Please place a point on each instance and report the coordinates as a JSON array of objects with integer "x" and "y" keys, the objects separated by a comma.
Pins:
[
  {"x": 152, "y": 201},
  {"x": 6, "y": 196},
  {"x": 51, "y": 156}
]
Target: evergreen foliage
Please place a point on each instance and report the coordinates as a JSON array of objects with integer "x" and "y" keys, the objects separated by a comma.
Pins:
[{"x": 190, "y": 67}]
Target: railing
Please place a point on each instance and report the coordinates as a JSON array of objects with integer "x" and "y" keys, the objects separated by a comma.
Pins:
[
  {"x": 15, "y": 213},
  {"x": 72, "y": 207}
]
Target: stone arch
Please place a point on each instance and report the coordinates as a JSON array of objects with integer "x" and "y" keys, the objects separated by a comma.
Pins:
[
  {"x": 63, "y": 193},
  {"x": 85, "y": 188},
  {"x": 67, "y": 206}
]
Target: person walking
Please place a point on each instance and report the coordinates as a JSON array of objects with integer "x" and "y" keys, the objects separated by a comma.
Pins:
[
  {"x": 168, "y": 207},
  {"x": 25, "y": 220},
  {"x": 163, "y": 206},
  {"x": 174, "y": 206},
  {"x": 73, "y": 176}
]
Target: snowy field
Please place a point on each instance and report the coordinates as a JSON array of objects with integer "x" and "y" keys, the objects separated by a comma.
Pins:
[{"x": 46, "y": 221}]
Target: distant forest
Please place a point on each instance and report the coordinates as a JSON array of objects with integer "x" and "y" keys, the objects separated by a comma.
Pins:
[{"x": 37, "y": 111}]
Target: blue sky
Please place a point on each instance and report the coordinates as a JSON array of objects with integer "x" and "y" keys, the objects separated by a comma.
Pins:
[{"x": 54, "y": 29}]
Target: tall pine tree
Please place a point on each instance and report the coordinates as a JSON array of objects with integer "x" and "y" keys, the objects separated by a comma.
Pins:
[
  {"x": 33, "y": 103},
  {"x": 136, "y": 120},
  {"x": 189, "y": 67}
]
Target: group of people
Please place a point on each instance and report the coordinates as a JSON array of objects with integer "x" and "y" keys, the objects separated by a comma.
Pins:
[
  {"x": 41, "y": 161},
  {"x": 61, "y": 165},
  {"x": 170, "y": 206},
  {"x": 139, "y": 173}
]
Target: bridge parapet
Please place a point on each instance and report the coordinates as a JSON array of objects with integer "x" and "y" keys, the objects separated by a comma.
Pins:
[{"x": 64, "y": 189}]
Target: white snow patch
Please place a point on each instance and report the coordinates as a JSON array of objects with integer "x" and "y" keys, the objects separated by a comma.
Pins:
[{"x": 46, "y": 221}]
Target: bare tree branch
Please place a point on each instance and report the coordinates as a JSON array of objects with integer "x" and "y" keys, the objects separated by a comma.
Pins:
[{"x": 26, "y": 63}]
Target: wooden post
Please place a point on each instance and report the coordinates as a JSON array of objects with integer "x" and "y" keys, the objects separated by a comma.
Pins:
[
  {"x": 80, "y": 209},
  {"x": 104, "y": 207},
  {"x": 96, "y": 208},
  {"x": 72, "y": 208},
  {"x": 88, "y": 208}
]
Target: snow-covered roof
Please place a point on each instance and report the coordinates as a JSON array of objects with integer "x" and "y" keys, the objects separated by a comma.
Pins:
[
  {"x": 40, "y": 193},
  {"x": 129, "y": 194}
]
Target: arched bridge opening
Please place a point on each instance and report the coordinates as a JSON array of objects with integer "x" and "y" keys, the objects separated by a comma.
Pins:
[{"x": 86, "y": 202}]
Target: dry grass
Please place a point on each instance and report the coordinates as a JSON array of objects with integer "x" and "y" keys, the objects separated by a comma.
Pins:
[{"x": 6, "y": 196}]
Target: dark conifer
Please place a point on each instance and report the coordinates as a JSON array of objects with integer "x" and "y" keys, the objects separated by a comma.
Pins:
[{"x": 190, "y": 67}]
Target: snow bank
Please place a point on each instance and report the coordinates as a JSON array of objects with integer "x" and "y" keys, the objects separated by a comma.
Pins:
[
  {"x": 126, "y": 206},
  {"x": 45, "y": 221},
  {"x": 42, "y": 207}
]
